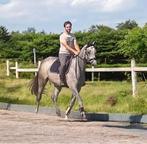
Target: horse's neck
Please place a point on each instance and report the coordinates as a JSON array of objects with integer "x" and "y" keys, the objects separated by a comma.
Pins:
[
  {"x": 82, "y": 53},
  {"x": 79, "y": 66},
  {"x": 78, "y": 69},
  {"x": 80, "y": 63}
]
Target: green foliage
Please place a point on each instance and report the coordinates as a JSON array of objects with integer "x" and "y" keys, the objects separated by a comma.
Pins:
[
  {"x": 112, "y": 45},
  {"x": 4, "y": 40},
  {"x": 134, "y": 44},
  {"x": 100, "y": 96},
  {"x": 21, "y": 45},
  {"x": 129, "y": 24},
  {"x": 4, "y": 34},
  {"x": 103, "y": 96}
]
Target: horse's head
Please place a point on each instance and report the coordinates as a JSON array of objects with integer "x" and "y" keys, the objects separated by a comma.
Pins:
[{"x": 89, "y": 52}]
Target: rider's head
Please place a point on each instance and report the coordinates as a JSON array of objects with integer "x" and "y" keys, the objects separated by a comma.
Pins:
[{"x": 68, "y": 26}]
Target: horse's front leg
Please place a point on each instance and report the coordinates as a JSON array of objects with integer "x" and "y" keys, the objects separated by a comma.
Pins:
[
  {"x": 54, "y": 98},
  {"x": 72, "y": 102},
  {"x": 79, "y": 99}
]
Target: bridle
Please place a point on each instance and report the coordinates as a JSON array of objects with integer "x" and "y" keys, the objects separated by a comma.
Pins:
[
  {"x": 89, "y": 60},
  {"x": 85, "y": 58}
]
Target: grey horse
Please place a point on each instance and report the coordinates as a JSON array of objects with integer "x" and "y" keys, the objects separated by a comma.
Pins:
[{"x": 75, "y": 78}]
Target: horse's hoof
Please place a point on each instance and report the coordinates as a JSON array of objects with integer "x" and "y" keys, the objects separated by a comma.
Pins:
[
  {"x": 66, "y": 117},
  {"x": 58, "y": 112},
  {"x": 84, "y": 118},
  {"x": 36, "y": 111}
]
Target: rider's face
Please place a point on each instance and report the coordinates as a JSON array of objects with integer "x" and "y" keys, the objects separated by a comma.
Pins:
[{"x": 68, "y": 28}]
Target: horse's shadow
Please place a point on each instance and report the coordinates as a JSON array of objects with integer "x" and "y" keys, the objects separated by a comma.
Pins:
[
  {"x": 134, "y": 123},
  {"x": 137, "y": 126}
]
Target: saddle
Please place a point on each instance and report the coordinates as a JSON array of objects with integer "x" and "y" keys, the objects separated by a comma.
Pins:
[{"x": 56, "y": 65}]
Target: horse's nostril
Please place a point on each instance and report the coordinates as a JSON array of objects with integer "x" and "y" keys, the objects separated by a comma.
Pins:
[{"x": 94, "y": 62}]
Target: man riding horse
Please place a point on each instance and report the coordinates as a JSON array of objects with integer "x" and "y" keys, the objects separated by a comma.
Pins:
[
  {"x": 75, "y": 77},
  {"x": 68, "y": 47}
]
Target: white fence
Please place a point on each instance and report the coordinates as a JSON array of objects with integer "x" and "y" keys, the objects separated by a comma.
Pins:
[
  {"x": 133, "y": 69},
  {"x": 18, "y": 70}
]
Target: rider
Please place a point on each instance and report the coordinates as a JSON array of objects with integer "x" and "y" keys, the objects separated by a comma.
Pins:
[{"x": 68, "y": 47}]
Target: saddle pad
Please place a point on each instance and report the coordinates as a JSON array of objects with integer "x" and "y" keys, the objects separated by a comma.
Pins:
[{"x": 55, "y": 66}]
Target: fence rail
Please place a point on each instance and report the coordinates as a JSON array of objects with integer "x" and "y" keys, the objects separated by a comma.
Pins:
[{"x": 133, "y": 69}]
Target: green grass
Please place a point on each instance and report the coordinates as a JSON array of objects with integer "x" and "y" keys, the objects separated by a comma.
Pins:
[{"x": 102, "y": 96}]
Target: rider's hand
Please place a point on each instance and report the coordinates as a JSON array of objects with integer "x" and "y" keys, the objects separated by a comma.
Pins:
[{"x": 76, "y": 53}]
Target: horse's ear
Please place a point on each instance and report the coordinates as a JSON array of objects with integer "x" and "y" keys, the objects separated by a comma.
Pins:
[
  {"x": 93, "y": 43},
  {"x": 85, "y": 46},
  {"x": 88, "y": 44}
]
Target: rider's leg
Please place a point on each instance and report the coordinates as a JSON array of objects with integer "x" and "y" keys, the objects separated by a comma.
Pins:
[{"x": 63, "y": 58}]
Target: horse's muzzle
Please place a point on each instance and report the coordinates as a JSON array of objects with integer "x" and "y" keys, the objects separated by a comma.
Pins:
[{"x": 93, "y": 61}]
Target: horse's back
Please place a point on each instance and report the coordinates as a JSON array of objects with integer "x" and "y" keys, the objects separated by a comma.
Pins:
[
  {"x": 50, "y": 59},
  {"x": 46, "y": 64}
]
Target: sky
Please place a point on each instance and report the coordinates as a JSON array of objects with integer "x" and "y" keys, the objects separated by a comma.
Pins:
[{"x": 49, "y": 15}]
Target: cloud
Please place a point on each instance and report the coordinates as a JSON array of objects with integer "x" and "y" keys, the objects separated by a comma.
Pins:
[
  {"x": 10, "y": 9},
  {"x": 104, "y": 5},
  {"x": 20, "y": 8},
  {"x": 117, "y": 5},
  {"x": 52, "y": 13},
  {"x": 30, "y": 8}
]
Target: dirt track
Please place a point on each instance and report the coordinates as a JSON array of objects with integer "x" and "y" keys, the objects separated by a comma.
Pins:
[{"x": 19, "y": 127}]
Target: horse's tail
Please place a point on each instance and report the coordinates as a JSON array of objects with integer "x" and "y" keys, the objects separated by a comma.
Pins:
[
  {"x": 34, "y": 90},
  {"x": 38, "y": 83},
  {"x": 34, "y": 86}
]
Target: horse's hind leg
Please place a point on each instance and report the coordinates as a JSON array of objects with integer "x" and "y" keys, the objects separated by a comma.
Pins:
[{"x": 54, "y": 98}]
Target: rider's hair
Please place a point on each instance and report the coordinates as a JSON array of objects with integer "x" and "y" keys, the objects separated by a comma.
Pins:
[{"x": 67, "y": 22}]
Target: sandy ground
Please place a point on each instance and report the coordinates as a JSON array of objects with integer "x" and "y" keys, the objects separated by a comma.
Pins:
[{"x": 22, "y": 127}]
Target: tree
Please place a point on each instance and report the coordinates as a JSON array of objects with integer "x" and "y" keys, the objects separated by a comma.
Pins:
[
  {"x": 98, "y": 28},
  {"x": 4, "y": 40},
  {"x": 106, "y": 43},
  {"x": 30, "y": 30},
  {"x": 4, "y": 34},
  {"x": 129, "y": 24},
  {"x": 134, "y": 44}
]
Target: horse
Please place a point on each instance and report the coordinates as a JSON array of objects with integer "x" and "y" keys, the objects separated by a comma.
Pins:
[{"x": 75, "y": 78}]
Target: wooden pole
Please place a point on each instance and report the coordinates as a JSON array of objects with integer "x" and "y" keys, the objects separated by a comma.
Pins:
[
  {"x": 16, "y": 66},
  {"x": 8, "y": 69},
  {"x": 99, "y": 76},
  {"x": 92, "y": 74},
  {"x": 134, "y": 79},
  {"x": 34, "y": 53},
  {"x": 39, "y": 62}
]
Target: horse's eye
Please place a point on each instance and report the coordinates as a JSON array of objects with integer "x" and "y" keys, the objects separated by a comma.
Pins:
[{"x": 88, "y": 52}]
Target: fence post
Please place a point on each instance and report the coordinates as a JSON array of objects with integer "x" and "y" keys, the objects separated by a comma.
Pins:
[
  {"x": 92, "y": 74},
  {"x": 133, "y": 76},
  {"x": 8, "y": 69},
  {"x": 16, "y": 66},
  {"x": 39, "y": 62},
  {"x": 34, "y": 53},
  {"x": 99, "y": 75}
]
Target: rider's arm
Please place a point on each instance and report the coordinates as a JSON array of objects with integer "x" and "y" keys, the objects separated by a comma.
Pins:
[
  {"x": 76, "y": 46},
  {"x": 64, "y": 43}
]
